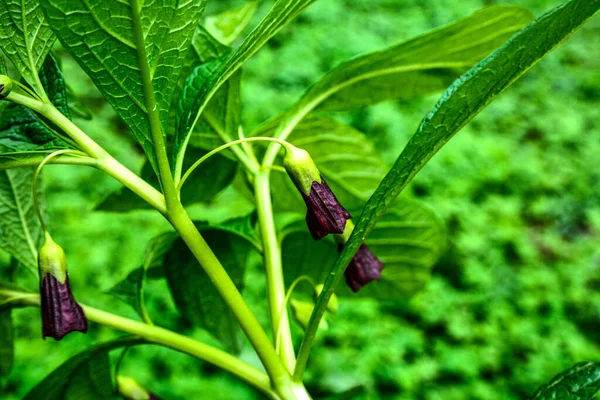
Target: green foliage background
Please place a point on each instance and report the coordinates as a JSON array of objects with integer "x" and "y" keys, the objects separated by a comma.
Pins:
[{"x": 512, "y": 302}]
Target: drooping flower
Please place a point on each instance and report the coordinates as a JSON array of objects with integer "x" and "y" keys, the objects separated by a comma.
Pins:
[
  {"x": 61, "y": 314},
  {"x": 324, "y": 213},
  {"x": 363, "y": 268}
]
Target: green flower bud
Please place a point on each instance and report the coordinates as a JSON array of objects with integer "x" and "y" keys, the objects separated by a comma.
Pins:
[
  {"x": 302, "y": 311},
  {"x": 52, "y": 260},
  {"x": 5, "y": 86},
  {"x": 333, "y": 304},
  {"x": 130, "y": 389},
  {"x": 301, "y": 168}
]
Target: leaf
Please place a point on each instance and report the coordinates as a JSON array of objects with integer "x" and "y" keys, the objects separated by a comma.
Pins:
[
  {"x": 335, "y": 148},
  {"x": 281, "y": 14},
  {"x": 470, "y": 94},
  {"x": 7, "y": 355},
  {"x": 195, "y": 295},
  {"x": 20, "y": 230},
  {"x": 208, "y": 180},
  {"x": 131, "y": 289},
  {"x": 221, "y": 117},
  {"x": 84, "y": 376},
  {"x": 25, "y": 36},
  {"x": 580, "y": 382},
  {"x": 408, "y": 239},
  {"x": 244, "y": 227},
  {"x": 419, "y": 66},
  {"x": 230, "y": 24},
  {"x": 21, "y": 130},
  {"x": 100, "y": 36}
]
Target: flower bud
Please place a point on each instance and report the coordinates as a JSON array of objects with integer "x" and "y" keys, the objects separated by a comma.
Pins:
[
  {"x": 130, "y": 389},
  {"x": 363, "y": 268},
  {"x": 324, "y": 213},
  {"x": 333, "y": 304},
  {"x": 60, "y": 312},
  {"x": 5, "y": 86},
  {"x": 302, "y": 311}
]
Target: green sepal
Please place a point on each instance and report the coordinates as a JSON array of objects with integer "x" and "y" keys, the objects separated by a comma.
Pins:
[
  {"x": 52, "y": 260},
  {"x": 5, "y": 86},
  {"x": 129, "y": 388},
  {"x": 301, "y": 168}
]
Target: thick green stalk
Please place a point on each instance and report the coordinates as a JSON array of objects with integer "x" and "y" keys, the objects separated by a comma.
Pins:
[
  {"x": 274, "y": 271},
  {"x": 167, "y": 338},
  {"x": 156, "y": 130},
  {"x": 280, "y": 376}
]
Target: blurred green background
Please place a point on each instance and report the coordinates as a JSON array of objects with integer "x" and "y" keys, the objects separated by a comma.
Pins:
[{"x": 512, "y": 302}]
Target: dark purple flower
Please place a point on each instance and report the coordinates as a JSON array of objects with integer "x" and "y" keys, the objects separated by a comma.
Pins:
[
  {"x": 363, "y": 268},
  {"x": 324, "y": 213},
  {"x": 60, "y": 312}
]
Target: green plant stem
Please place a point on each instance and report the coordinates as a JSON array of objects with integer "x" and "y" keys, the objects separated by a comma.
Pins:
[
  {"x": 158, "y": 141},
  {"x": 224, "y": 147},
  {"x": 273, "y": 266},
  {"x": 165, "y": 337},
  {"x": 104, "y": 161},
  {"x": 280, "y": 376}
]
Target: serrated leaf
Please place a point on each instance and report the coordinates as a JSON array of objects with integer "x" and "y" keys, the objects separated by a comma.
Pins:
[
  {"x": 195, "y": 295},
  {"x": 131, "y": 289},
  {"x": 230, "y": 24},
  {"x": 21, "y": 130},
  {"x": 6, "y": 342},
  {"x": 470, "y": 94},
  {"x": 344, "y": 156},
  {"x": 425, "y": 64},
  {"x": 580, "y": 382},
  {"x": 25, "y": 36},
  {"x": 83, "y": 376},
  {"x": 100, "y": 36},
  {"x": 281, "y": 14},
  {"x": 408, "y": 240},
  {"x": 20, "y": 230},
  {"x": 208, "y": 180}
]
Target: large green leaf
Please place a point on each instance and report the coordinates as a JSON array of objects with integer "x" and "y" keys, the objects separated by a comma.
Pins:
[
  {"x": 208, "y": 180},
  {"x": 131, "y": 288},
  {"x": 195, "y": 295},
  {"x": 470, "y": 94},
  {"x": 25, "y": 36},
  {"x": 21, "y": 130},
  {"x": 20, "y": 230},
  {"x": 281, "y": 14},
  {"x": 230, "y": 24},
  {"x": 85, "y": 376},
  {"x": 408, "y": 240},
  {"x": 419, "y": 66},
  {"x": 101, "y": 37},
  {"x": 345, "y": 157},
  {"x": 580, "y": 382}
]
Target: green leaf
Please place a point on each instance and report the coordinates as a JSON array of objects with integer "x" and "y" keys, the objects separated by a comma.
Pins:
[
  {"x": 335, "y": 148},
  {"x": 419, "y": 66},
  {"x": 244, "y": 227},
  {"x": 470, "y": 94},
  {"x": 408, "y": 240},
  {"x": 131, "y": 289},
  {"x": 580, "y": 382},
  {"x": 195, "y": 295},
  {"x": 21, "y": 130},
  {"x": 230, "y": 24},
  {"x": 208, "y": 180},
  {"x": 25, "y": 36},
  {"x": 100, "y": 36},
  {"x": 221, "y": 117},
  {"x": 84, "y": 376},
  {"x": 20, "y": 230},
  {"x": 281, "y": 14},
  {"x": 2, "y": 65},
  {"x": 7, "y": 355}
]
